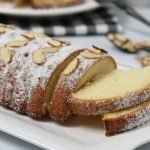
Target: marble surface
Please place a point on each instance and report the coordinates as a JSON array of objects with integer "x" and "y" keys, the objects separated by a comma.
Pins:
[{"x": 132, "y": 29}]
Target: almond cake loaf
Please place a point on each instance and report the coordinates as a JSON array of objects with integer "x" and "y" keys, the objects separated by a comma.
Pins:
[{"x": 40, "y": 75}]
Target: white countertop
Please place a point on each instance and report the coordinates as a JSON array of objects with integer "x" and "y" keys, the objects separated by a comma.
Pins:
[{"x": 133, "y": 29}]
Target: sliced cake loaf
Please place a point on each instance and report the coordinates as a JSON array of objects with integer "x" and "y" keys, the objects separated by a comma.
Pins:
[
  {"x": 127, "y": 119},
  {"x": 80, "y": 71},
  {"x": 110, "y": 92},
  {"x": 34, "y": 71}
]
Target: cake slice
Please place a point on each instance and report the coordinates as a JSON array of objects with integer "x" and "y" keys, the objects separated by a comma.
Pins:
[
  {"x": 127, "y": 119},
  {"x": 77, "y": 73},
  {"x": 110, "y": 92}
]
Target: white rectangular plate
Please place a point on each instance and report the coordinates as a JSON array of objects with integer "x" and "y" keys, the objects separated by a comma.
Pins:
[{"x": 77, "y": 133}]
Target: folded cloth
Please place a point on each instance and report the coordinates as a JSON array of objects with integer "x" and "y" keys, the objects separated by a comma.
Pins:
[{"x": 95, "y": 22}]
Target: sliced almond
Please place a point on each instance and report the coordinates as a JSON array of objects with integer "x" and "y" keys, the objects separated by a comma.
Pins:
[
  {"x": 5, "y": 54},
  {"x": 95, "y": 51},
  {"x": 71, "y": 67},
  {"x": 38, "y": 57},
  {"x": 88, "y": 54},
  {"x": 121, "y": 38},
  {"x": 64, "y": 42},
  {"x": 98, "y": 50},
  {"x": 50, "y": 49},
  {"x": 9, "y": 26},
  {"x": 118, "y": 43},
  {"x": 17, "y": 43},
  {"x": 54, "y": 43},
  {"x": 31, "y": 35},
  {"x": 111, "y": 36},
  {"x": 28, "y": 35},
  {"x": 130, "y": 46},
  {"x": 2, "y": 30}
]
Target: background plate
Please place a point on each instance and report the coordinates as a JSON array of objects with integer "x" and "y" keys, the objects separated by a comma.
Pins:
[
  {"x": 76, "y": 133},
  {"x": 9, "y": 9}
]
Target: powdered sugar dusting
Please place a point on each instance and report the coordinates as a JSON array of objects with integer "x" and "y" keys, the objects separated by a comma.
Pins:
[
  {"x": 10, "y": 34},
  {"x": 32, "y": 75},
  {"x": 137, "y": 118},
  {"x": 22, "y": 75},
  {"x": 72, "y": 80}
]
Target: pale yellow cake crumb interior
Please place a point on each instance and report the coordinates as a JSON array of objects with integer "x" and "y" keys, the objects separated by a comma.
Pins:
[{"x": 117, "y": 83}]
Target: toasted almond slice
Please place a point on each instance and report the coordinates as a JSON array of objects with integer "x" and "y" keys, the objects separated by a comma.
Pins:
[
  {"x": 54, "y": 43},
  {"x": 64, "y": 42},
  {"x": 50, "y": 49},
  {"x": 118, "y": 43},
  {"x": 17, "y": 43},
  {"x": 111, "y": 36},
  {"x": 98, "y": 50},
  {"x": 91, "y": 55},
  {"x": 130, "y": 46},
  {"x": 71, "y": 67},
  {"x": 28, "y": 35},
  {"x": 5, "y": 54},
  {"x": 10, "y": 26},
  {"x": 143, "y": 44},
  {"x": 2, "y": 30},
  {"x": 95, "y": 51},
  {"x": 38, "y": 57},
  {"x": 31, "y": 35},
  {"x": 121, "y": 38}
]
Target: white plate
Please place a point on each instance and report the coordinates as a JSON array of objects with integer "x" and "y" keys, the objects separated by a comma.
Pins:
[
  {"x": 9, "y": 9},
  {"x": 78, "y": 133}
]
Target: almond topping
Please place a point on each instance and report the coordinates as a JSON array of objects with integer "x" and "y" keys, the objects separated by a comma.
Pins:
[
  {"x": 31, "y": 35},
  {"x": 28, "y": 35},
  {"x": 95, "y": 51},
  {"x": 89, "y": 54},
  {"x": 64, "y": 42},
  {"x": 38, "y": 57},
  {"x": 10, "y": 26},
  {"x": 5, "y": 54},
  {"x": 71, "y": 67},
  {"x": 50, "y": 49},
  {"x": 111, "y": 36},
  {"x": 17, "y": 43},
  {"x": 54, "y": 43},
  {"x": 2, "y": 30}
]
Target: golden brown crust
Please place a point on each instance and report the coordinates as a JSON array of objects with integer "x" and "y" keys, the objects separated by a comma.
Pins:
[
  {"x": 97, "y": 107},
  {"x": 67, "y": 84},
  {"x": 35, "y": 106},
  {"x": 127, "y": 122}
]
